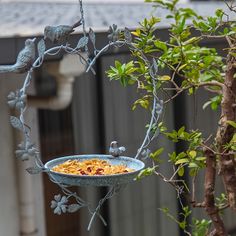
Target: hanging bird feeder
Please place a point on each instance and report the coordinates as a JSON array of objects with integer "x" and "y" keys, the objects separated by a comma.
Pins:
[{"x": 26, "y": 62}]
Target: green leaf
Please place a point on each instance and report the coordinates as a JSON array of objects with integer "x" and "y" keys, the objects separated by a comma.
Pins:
[
  {"x": 232, "y": 123},
  {"x": 182, "y": 224},
  {"x": 118, "y": 64},
  {"x": 156, "y": 154},
  {"x": 200, "y": 158},
  {"x": 146, "y": 172},
  {"x": 181, "y": 155},
  {"x": 182, "y": 161},
  {"x": 165, "y": 78},
  {"x": 219, "y": 13},
  {"x": 192, "y": 154},
  {"x": 181, "y": 131},
  {"x": 161, "y": 45},
  {"x": 193, "y": 165},
  {"x": 205, "y": 77},
  {"x": 181, "y": 171},
  {"x": 182, "y": 67}
]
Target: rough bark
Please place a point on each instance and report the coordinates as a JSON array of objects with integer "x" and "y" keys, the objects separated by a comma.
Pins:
[
  {"x": 209, "y": 200},
  {"x": 225, "y": 132}
]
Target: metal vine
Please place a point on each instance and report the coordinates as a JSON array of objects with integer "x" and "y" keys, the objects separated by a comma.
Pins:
[{"x": 26, "y": 150}]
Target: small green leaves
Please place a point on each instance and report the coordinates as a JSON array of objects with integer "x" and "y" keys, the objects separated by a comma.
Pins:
[
  {"x": 143, "y": 102},
  {"x": 160, "y": 45},
  {"x": 192, "y": 154},
  {"x": 219, "y": 13},
  {"x": 200, "y": 227},
  {"x": 181, "y": 171},
  {"x": 221, "y": 201},
  {"x": 165, "y": 78},
  {"x": 214, "y": 102},
  {"x": 182, "y": 161},
  {"x": 232, "y": 144},
  {"x": 123, "y": 72},
  {"x": 155, "y": 155},
  {"x": 146, "y": 172}
]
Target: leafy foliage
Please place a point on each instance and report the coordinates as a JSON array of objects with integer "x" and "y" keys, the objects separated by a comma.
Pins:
[{"x": 192, "y": 66}]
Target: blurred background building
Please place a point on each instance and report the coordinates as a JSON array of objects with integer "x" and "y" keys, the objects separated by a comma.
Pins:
[{"x": 73, "y": 112}]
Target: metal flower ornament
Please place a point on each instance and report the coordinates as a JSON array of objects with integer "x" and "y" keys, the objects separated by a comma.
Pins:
[{"x": 27, "y": 61}]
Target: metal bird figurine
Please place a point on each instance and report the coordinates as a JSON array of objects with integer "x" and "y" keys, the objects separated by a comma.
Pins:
[
  {"x": 114, "y": 150},
  {"x": 24, "y": 60},
  {"x": 60, "y": 33}
]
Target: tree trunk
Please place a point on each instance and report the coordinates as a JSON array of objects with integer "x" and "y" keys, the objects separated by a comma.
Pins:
[
  {"x": 209, "y": 186},
  {"x": 225, "y": 132}
]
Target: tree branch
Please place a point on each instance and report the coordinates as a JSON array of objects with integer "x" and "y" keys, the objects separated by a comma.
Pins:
[{"x": 203, "y": 84}]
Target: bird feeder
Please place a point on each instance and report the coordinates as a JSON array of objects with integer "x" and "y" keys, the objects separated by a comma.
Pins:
[{"x": 26, "y": 62}]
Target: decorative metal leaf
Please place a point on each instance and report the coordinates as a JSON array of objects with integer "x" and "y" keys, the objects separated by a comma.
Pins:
[
  {"x": 41, "y": 47},
  {"x": 73, "y": 208},
  {"x": 113, "y": 33},
  {"x": 82, "y": 42},
  {"x": 159, "y": 107},
  {"x": 145, "y": 153},
  {"x": 26, "y": 150},
  {"x": 157, "y": 132},
  {"x": 34, "y": 170},
  {"x": 16, "y": 100},
  {"x": 92, "y": 36},
  {"x": 155, "y": 66},
  {"x": 128, "y": 36},
  {"x": 57, "y": 211},
  {"x": 16, "y": 123}
]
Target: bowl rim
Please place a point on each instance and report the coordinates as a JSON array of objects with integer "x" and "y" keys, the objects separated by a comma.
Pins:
[{"x": 94, "y": 156}]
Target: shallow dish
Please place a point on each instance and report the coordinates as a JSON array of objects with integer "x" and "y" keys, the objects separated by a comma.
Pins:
[{"x": 96, "y": 180}]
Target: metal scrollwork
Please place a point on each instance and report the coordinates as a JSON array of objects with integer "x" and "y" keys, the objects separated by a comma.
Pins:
[{"x": 17, "y": 99}]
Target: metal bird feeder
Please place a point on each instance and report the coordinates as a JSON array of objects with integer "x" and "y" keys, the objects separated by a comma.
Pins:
[{"x": 26, "y": 150}]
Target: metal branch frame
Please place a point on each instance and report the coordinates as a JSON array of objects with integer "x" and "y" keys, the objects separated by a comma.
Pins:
[{"x": 17, "y": 100}]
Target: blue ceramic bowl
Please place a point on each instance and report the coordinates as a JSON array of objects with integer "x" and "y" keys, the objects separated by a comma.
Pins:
[{"x": 96, "y": 180}]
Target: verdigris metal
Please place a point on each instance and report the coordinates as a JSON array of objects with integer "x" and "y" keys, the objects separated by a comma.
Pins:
[
  {"x": 97, "y": 180},
  {"x": 115, "y": 150},
  {"x": 60, "y": 33},
  {"x": 25, "y": 59},
  {"x": 26, "y": 62}
]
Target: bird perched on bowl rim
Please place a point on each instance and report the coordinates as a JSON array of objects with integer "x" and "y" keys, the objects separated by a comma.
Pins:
[
  {"x": 60, "y": 33},
  {"x": 24, "y": 60},
  {"x": 115, "y": 150}
]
